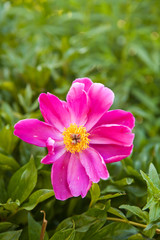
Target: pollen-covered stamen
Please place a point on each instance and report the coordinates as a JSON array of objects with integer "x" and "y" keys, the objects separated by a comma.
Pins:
[{"x": 75, "y": 138}]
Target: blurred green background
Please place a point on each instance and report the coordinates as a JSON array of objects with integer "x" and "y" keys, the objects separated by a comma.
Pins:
[{"x": 44, "y": 46}]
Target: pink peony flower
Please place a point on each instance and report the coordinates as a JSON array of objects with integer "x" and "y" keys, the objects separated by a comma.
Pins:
[{"x": 81, "y": 136}]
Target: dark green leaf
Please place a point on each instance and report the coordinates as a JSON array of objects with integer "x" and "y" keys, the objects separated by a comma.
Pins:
[
  {"x": 11, "y": 235},
  {"x": 8, "y": 163},
  {"x": 34, "y": 229}
]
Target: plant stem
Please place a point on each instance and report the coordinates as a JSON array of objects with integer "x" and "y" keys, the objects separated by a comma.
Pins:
[
  {"x": 44, "y": 225},
  {"x": 130, "y": 222}
]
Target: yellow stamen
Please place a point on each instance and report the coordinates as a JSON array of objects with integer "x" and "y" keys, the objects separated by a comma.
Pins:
[{"x": 75, "y": 138}]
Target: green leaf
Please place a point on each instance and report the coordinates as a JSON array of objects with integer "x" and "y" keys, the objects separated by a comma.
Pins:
[
  {"x": 4, "y": 226},
  {"x": 123, "y": 182},
  {"x": 152, "y": 189},
  {"x": 95, "y": 193},
  {"x": 154, "y": 211},
  {"x": 11, "y": 235},
  {"x": 109, "y": 196},
  {"x": 25, "y": 178},
  {"x": 37, "y": 197},
  {"x": 8, "y": 163},
  {"x": 136, "y": 211},
  {"x": 153, "y": 175},
  {"x": 8, "y": 140},
  {"x": 64, "y": 234},
  {"x": 115, "y": 231},
  {"x": 3, "y": 197},
  {"x": 116, "y": 212},
  {"x": 34, "y": 229},
  {"x": 137, "y": 236},
  {"x": 150, "y": 230},
  {"x": 11, "y": 206}
]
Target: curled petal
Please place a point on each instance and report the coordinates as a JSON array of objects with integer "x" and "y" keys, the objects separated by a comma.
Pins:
[
  {"x": 77, "y": 178},
  {"x": 86, "y": 81},
  {"x": 50, "y": 145},
  {"x": 119, "y": 117},
  {"x": 112, "y": 153},
  {"x": 59, "y": 177},
  {"x": 54, "y": 111},
  {"x": 100, "y": 100},
  {"x": 94, "y": 164},
  {"x": 36, "y": 132},
  {"x": 112, "y": 134},
  {"x": 54, "y": 154},
  {"x": 78, "y": 103}
]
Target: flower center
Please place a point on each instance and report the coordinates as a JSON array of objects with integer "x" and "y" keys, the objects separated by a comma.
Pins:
[{"x": 75, "y": 138}]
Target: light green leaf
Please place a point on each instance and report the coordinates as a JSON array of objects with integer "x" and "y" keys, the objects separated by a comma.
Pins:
[
  {"x": 116, "y": 212},
  {"x": 37, "y": 197},
  {"x": 137, "y": 236},
  {"x": 152, "y": 189},
  {"x": 153, "y": 175},
  {"x": 109, "y": 196},
  {"x": 25, "y": 178},
  {"x": 154, "y": 212},
  {"x": 64, "y": 234},
  {"x": 137, "y": 211},
  {"x": 95, "y": 193},
  {"x": 150, "y": 230},
  {"x": 11, "y": 206},
  {"x": 124, "y": 182}
]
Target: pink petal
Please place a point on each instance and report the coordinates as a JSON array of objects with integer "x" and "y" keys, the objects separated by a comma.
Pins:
[
  {"x": 52, "y": 156},
  {"x": 93, "y": 164},
  {"x": 54, "y": 111},
  {"x": 112, "y": 153},
  {"x": 86, "y": 81},
  {"x": 100, "y": 100},
  {"x": 117, "y": 117},
  {"x": 78, "y": 103},
  {"x": 59, "y": 177},
  {"x": 77, "y": 178},
  {"x": 36, "y": 132},
  {"x": 111, "y": 134}
]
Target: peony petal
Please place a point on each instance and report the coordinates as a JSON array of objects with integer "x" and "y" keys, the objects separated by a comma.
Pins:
[
  {"x": 117, "y": 117},
  {"x": 78, "y": 103},
  {"x": 59, "y": 177},
  {"x": 111, "y": 134},
  {"x": 52, "y": 156},
  {"x": 86, "y": 81},
  {"x": 54, "y": 111},
  {"x": 94, "y": 164},
  {"x": 100, "y": 100},
  {"x": 77, "y": 178},
  {"x": 36, "y": 132},
  {"x": 112, "y": 153}
]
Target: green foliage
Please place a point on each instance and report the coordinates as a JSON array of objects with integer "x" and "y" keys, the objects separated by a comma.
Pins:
[{"x": 44, "y": 46}]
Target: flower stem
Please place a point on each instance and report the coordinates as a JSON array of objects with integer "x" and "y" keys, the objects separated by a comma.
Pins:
[
  {"x": 130, "y": 222},
  {"x": 44, "y": 225}
]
